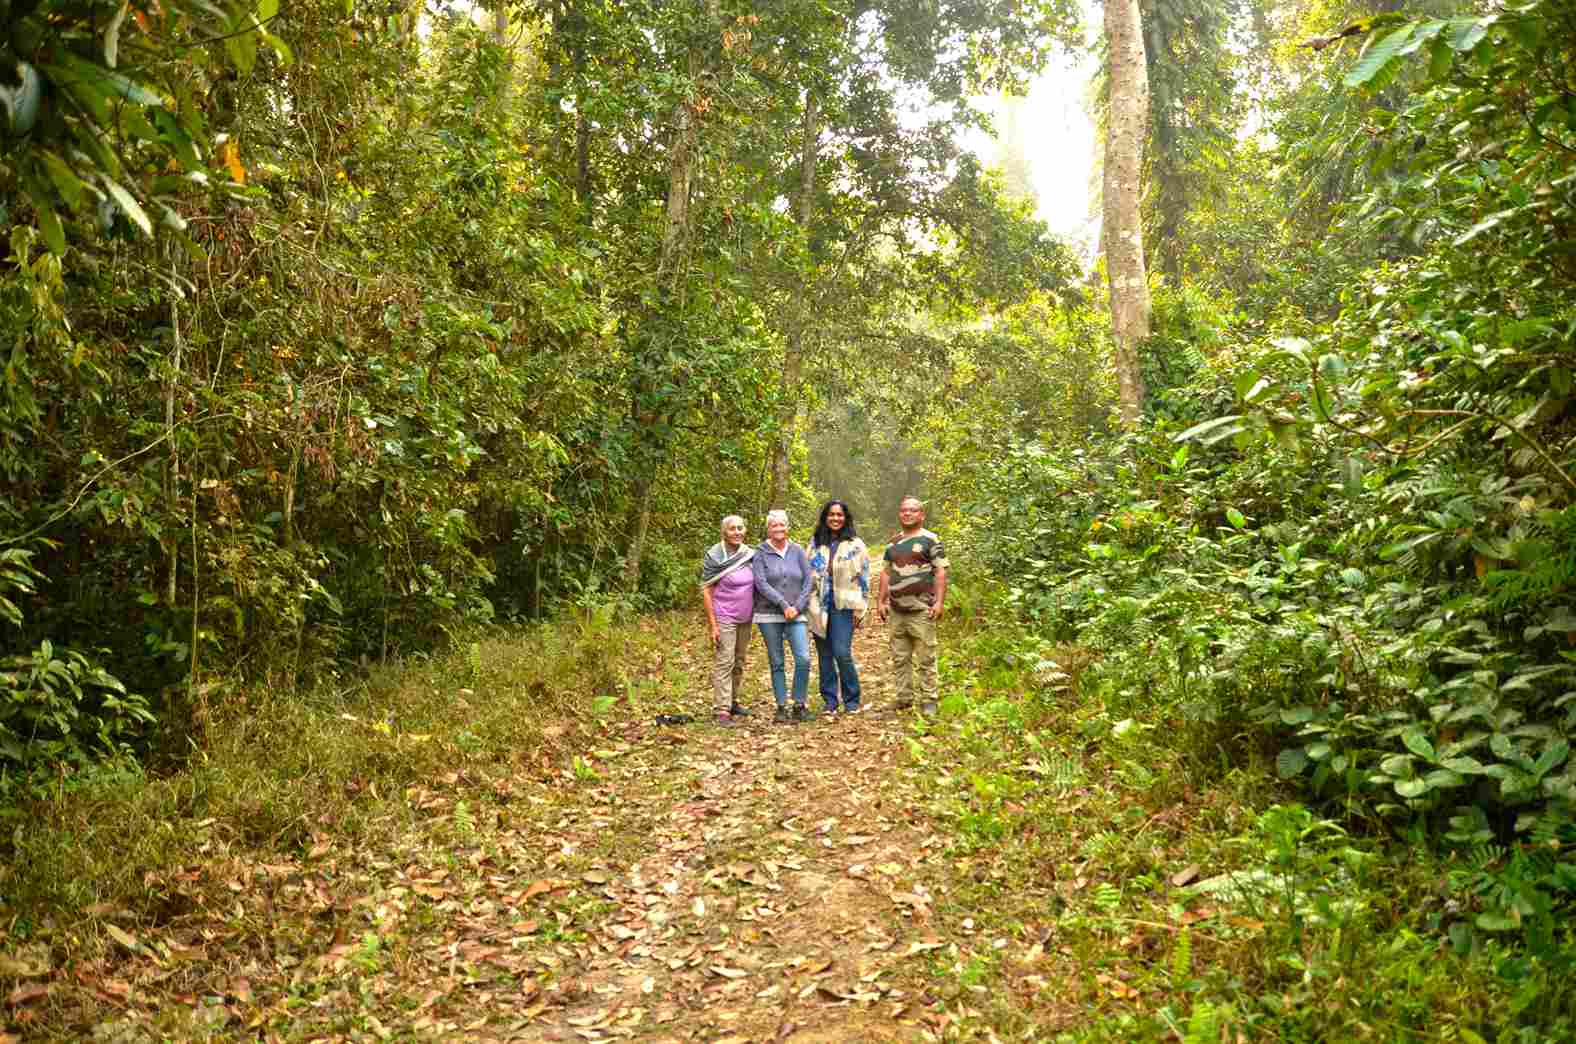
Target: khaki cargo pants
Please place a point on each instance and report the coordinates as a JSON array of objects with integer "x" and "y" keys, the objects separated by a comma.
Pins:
[
  {"x": 727, "y": 667},
  {"x": 913, "y": 637}
]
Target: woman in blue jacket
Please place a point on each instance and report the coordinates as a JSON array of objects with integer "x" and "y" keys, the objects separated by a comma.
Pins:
[{"x": 782, "y": 596}]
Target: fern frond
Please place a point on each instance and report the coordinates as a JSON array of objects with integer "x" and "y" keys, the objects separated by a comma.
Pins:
[{"x": 1182, "y": 957}]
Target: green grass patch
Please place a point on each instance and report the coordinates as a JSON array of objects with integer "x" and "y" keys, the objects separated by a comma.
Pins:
[{"x": 277, "y": 770}]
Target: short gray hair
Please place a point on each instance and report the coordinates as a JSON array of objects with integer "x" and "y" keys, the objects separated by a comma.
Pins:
[
  {"x": 728, "y": 520},
  {"x": 776, "y": 515}
]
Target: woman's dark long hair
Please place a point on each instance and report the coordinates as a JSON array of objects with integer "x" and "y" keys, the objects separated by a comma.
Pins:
[{"x": 823, "y": 534}]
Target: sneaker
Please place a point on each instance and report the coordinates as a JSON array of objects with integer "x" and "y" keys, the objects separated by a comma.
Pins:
[
  {"x": 904, "y": 704},
  {"x": 781, "y": 717},
  {"x": 802, "y": 713},
  {"x": 725, "y": 720},
  {"x": 853, "y": 708},
  {"x": 928, "y": 708},
  {"x": 831, "y": 711},
  {"x": 738, "y": 711}
]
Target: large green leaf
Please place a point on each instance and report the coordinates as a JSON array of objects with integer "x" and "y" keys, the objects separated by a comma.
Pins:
[
  {"x": 241, "y": 44},
  {"x": 1551, "y": 757},
  {"x": 1412, "y": 788},
  {"x": 49, "y": 223},
  {"x": 1290, "y": 761},
  {"x": 1207, "y": 427},
  {"x": 1467, "y": 33},
  {"x": 1378, "y": 55},
  {"x": 1419, "y": 745},
  {"x": 65, "y": 180},
  {"x": 128, "y": 205},
  {"x": 112, "y": 34}
]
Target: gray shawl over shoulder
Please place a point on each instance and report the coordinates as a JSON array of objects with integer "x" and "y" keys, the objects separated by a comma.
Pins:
[{"x": 718, "y": 563}]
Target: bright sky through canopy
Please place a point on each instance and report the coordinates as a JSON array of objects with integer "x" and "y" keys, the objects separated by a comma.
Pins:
[{"x": 1056, "y": 134}]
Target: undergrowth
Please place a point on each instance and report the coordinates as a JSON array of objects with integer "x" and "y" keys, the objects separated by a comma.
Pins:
[
  {"x": 276, "y": 770},
  {"x": 1160, "y": 881}
]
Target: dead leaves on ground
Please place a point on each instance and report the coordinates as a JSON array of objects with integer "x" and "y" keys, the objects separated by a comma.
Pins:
[{"x": 737, "y": 886}]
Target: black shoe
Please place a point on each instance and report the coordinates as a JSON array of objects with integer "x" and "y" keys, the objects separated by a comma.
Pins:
[
  {"x": 802, "y": 713},
  {"x": 781, "y": 717},
  {"x": 738, "y": 711}
]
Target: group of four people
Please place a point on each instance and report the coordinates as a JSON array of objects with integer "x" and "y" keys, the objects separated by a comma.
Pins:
[{"x": 792, "y": 594}]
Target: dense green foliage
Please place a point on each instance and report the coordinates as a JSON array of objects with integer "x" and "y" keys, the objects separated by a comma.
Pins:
[
  {"x": 1343, "y": 545},
  {"x": 422, "y": 343},
  {"x": 445, "y": 327}
]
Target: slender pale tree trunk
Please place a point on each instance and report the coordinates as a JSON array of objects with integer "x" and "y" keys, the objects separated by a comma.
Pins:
[
  {"x": 1122, "y": 230},
  {"x": 799, "y": 321},
  {"x": 670, "y": 280}
]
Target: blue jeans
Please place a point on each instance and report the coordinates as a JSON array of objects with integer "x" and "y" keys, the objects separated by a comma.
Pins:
[
  {"x": 835, "y": 655},
  {"x": 797, "y": 636}
]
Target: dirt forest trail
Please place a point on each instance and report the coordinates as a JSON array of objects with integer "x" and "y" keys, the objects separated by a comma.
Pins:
[
  {"x": 769, "y": 881},
  {"x": 691, "y": 883}
]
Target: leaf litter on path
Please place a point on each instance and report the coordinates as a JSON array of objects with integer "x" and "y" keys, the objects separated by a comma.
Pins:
[{"x": 762, "y": 883}]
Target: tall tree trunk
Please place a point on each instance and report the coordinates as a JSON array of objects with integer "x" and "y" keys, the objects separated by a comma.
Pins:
[
  {"x": 793, "y": 356},
  {"x": 1123, "y": 230},
  {"x": 569, "y": 28},
  {"x": 670, "y": 284}
]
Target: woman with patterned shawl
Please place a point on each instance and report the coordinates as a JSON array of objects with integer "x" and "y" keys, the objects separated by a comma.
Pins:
[
  {"x": 727, "y": 586},
  {"x": 838, "y": 601}
]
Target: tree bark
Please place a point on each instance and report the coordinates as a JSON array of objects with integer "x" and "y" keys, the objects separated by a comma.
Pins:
[
  {"x": 670, "y": 282},
  {"x": 793, "y": 356},
  {"x": 1122, "y": 227}
]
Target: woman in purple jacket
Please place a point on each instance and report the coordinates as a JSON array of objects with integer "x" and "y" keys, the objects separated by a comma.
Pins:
[
  {"x": 727, "y": 588},
  {"x": 782, "y": 595}
]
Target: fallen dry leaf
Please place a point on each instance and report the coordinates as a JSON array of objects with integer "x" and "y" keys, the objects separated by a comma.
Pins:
[
  {"x": 551, "y": 884},
  {"x": 125, "y": 938},
  {"x": 26, "y": 992}
]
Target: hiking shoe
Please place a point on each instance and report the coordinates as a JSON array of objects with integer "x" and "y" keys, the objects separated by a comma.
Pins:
[
  {"x": 801, "y": 714},
  {"x": 781, "y": 717},
  {"x": 738, "y": 711},
  {"x": 903, "y": 704},
  {"x": 928, "y": 708}
]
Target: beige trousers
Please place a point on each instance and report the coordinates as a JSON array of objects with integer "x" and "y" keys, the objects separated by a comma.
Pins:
[
  {"x": 727, "y": 669},
  {"x": 913, "y": 637}
]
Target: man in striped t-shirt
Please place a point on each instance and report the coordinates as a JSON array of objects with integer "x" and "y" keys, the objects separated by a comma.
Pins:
[{"x": 912, "y": 593}]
